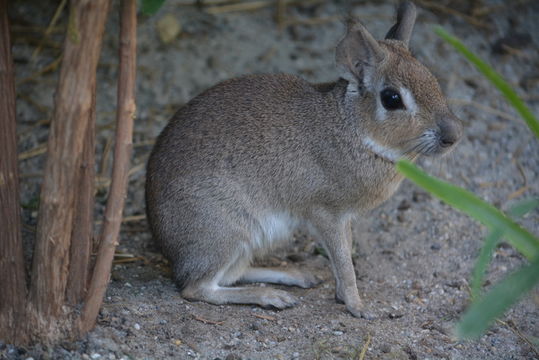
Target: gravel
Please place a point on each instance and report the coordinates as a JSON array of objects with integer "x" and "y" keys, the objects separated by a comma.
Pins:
[{"x": 413, "y": 254}]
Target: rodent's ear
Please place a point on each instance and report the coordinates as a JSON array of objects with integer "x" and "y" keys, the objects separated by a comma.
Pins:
[
  {"x": 358, "y": 53},
  {"x": 402, "y": 30}
]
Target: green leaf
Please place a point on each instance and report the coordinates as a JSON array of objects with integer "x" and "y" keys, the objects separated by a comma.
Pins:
[
  {"x": 523, "y": 207},
  {"x": 495, "y": 78},
  {"x": 482, "y": 211},
  {"x": 150, "y": 7},
  {"x": 490, "y": 243},
  {"x": 478, "y": 317}
]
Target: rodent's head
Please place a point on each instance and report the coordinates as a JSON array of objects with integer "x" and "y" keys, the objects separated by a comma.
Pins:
[{"x": 400, "y": 104}]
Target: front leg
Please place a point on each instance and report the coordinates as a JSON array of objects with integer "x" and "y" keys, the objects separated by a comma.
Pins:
[
  {"x": 336, "y": 238},
  {"x": 339, "y": 294}
]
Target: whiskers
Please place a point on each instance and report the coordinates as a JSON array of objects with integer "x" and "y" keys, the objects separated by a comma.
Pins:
[
  {"x": 425, "y": 144},
  {"x": 428, "y": 143}
]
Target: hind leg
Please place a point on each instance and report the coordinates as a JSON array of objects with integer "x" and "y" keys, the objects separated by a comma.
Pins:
[
  {"x": 291, "y": 277},
  {"x": 214, "y": 250},
  {"x": 213, "y": 291},
  {"x": 215, "y": 294}
]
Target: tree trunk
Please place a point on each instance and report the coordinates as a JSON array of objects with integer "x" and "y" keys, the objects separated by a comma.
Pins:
[
  {"x": 83, "y": 224},
  {"x": 12, "y": 278},
  {"x": 72, "y": 114},
  {"x": 122, "y": 152}
]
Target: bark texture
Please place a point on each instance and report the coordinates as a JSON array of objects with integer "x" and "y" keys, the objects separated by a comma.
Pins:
[
  {"x": 12, "y": 278},
  {"x": 83, "y": 229},
  {"x": 72, "y": 115}
]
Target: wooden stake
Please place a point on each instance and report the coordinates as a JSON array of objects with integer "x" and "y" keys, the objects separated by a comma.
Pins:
[
  {"x": 122, "y": 152},
  {"x": 12, "y": 273}
]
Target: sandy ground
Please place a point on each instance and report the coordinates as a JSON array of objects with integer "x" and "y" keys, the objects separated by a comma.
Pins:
[{"x": 413, "y": 255}]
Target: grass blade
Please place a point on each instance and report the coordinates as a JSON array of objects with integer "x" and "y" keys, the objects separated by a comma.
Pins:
[
  {"x": 467, "y": 202},
  {"x": 476, "y": 320},
  {"x": 483, "y": 259},
  {"x": 495, "y": 78},
  {"x": 523, "y": 207},
  {"x": 150, "y": 7},
  {"x": 491, "y": 241}
]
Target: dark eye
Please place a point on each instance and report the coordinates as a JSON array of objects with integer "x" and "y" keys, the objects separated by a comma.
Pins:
[{"x": 391, "y": 99}]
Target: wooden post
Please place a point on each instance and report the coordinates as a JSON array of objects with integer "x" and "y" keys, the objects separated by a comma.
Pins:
[
  {"x": 72, "y": 114},
  {"x": 122, "y": 152},
  {"x": 12, "y": 273}
]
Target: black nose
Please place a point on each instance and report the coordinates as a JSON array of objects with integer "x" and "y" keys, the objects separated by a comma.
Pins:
[
  {"x": 447, "y": 140},
  {"x": 450, "y": 130}
]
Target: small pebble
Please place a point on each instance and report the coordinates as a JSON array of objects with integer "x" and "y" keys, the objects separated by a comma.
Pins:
[
  {"x": 95, "y": 356},
  {"x": 137, "y": 327},
  {"x": 338, "y": 333},
  {"x": 233, "y": 356}
]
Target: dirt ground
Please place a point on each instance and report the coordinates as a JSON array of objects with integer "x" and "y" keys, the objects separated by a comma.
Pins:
[{"x": 413, "y": 254}]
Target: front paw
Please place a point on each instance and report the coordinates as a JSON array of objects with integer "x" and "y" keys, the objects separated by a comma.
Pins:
[
  {"x": 361, "y": 312},
  {"x": 355, "y": 306}
]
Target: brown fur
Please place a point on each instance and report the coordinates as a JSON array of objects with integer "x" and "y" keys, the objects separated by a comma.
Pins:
[{"x": 244, "y": 163}]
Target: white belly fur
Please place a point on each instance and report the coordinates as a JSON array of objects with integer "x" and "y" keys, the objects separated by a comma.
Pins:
[{"x": 273, "y": 228}]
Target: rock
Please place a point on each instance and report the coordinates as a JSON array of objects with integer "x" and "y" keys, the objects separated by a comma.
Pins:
[
  {"x": 404, "y": 205},
  {"x": 233, "y": 356},
  {"x": 513, "y": 41},
  {"x": 168, "y": 28}
]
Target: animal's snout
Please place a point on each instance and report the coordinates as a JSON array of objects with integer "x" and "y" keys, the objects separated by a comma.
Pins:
[{"x": 450, "y": 130}]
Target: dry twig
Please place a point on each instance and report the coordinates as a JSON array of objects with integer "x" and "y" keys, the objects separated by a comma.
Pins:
[
  {"x": 206, "y": 321},
  {"x": 50, "y": 28},
  {"x": 509, "y": 324},
  {"x": 485, "y": 108},
  {"x": 312, "y": 21},
  {"x": 434, "y": 5},
  {"x": 48, "y": 68},
  {"x": 38, "y": 150},
  {"x": 517, "y": 193},
  {"x": 365, "y": 348},
  {"x": 243, "y": 6}
]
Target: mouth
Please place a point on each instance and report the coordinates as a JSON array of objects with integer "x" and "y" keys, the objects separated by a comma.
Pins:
[
  {"x": 380, "y": 151},
  {"x": 429, "y": 143},
  {"x": 432, "y": 143}
]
